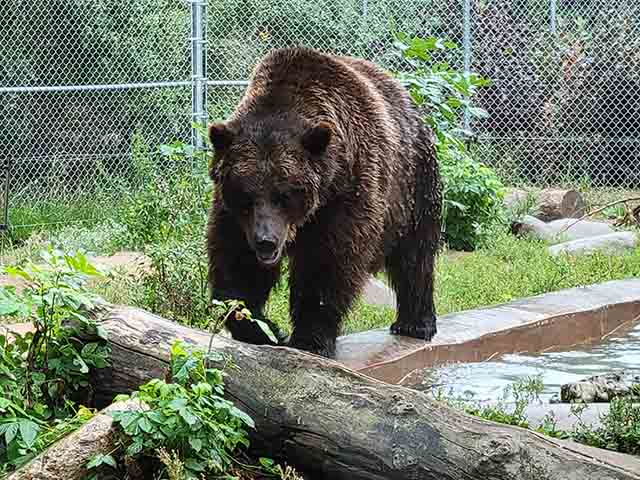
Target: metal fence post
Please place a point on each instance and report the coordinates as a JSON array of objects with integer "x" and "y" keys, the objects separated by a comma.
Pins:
[
  {"x": 198, "y": 73},
  {"x": 553, "y": 16},
  {"x": 5, "y": 172},
  {"x": 467, "y": 49},
  {"x": 365, "y": 8}
]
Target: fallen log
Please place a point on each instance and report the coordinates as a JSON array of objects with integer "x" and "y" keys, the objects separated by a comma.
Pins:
[
  {"x": 555, "y": 204},
  {"x": 335, "y": 423},
  {"x": 67, "y": 459}
]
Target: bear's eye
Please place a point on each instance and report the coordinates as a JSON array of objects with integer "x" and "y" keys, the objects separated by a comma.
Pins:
[
  {"x": 240, "y": 201},
  {"x": 281, "y": 198},
  {"x": 245, "y": 206}
]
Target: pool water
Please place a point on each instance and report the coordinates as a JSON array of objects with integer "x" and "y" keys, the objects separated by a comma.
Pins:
[{"x": 486, "y": 381}]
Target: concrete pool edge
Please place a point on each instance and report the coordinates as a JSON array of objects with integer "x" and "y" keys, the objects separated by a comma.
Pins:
[{"x": 549, "y": 321}]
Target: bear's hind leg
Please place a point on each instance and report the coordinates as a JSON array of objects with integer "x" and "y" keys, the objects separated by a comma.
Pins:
[{"x": 410, "y": 268}]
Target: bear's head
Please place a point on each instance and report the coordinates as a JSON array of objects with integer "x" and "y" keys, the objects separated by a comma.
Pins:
[{"x": 269, "y": 172}]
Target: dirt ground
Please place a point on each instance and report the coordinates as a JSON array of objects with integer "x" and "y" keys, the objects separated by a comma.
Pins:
[{"x": 130, "y": 262}]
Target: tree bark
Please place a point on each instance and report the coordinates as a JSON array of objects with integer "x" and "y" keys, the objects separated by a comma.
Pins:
[
  {"x": 67, "y": 459},
  {"x": 556, "y": 204},
  {"x": 336, "y": 424}
]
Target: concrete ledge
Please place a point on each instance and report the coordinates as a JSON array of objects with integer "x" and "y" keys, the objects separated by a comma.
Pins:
[{"x": 546, "y": 322}]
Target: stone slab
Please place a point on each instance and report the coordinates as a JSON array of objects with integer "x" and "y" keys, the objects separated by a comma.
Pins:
[
  {"x": 562, "y": 230},
  {"x": 377, "y": 293},
  {"x": 613, "y": 243},
  {"x": 551, "y": 321}
]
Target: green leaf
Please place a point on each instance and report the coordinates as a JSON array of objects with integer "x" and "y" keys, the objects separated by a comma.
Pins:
[
  {"x": 188, "y": 416},
  {"x": 28, "y": 431},
  {"x": 242, "y": 416},
  {"x": 265, "y": 328},
  {"x": 195, "y": 443},
  {"x": 266, "y": 462},
  {"x": 177, "y": 404},
  {"x": 79, "y": 362},
  {"x": 8, "y": 307},
  {"x": 10, "y": 431},
  {"x": 101, "y": 459},
  {"x": 194, "y": 465},
  {"x": 135, "y": 448},
  {"x": 102, "y": 333},
  {"x": 145, "y": 425}
]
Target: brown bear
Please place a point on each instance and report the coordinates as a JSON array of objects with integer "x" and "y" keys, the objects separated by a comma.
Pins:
[{"x": 327, "y": 161}]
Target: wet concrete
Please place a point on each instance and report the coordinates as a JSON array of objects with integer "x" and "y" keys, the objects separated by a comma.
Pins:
[{"x": 551, "y": 321}]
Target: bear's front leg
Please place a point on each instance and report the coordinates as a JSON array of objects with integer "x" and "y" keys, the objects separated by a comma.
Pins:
[
  {"x": 234, "y": 274},
  {"x": 316, "y": 321},
  {"x": 323, "y": 287}
]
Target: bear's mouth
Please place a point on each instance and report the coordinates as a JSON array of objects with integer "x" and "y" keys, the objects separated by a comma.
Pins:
[{"x": 270, "y": 259}]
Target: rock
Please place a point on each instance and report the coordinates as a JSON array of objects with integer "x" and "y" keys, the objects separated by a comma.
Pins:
[
  {"x": 613, "y": 243},
  {"x": 533, "y": 227},
  {"x": 566, "y": 229},
  {"x": 376, "y": 292},
  {"x": 547, "y": 205},
  {"x": 601, "y": 388}
]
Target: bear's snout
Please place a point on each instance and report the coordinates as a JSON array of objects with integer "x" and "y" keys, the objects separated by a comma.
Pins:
[{"x": 269, "y": 232}]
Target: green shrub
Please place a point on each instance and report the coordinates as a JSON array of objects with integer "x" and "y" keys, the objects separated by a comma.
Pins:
[
  {"x": 187, "y": 416},
  {"x": 472, "y": 191},
  {"x": 176, "y": 286},
  {"x": 44, "y": 374},
  {"x": 619, "y": 429},
  {"x": 169, "y": 204},
  {"x": 523, "y": 392}
]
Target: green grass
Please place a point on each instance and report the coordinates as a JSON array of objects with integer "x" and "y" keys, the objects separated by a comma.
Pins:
[
  {"x": 513, "y": 268},
  {"x": 362, "y": 317},
  {"x": 49, "y": 215}
]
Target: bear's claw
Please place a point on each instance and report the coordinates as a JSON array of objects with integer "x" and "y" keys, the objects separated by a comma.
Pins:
[{"x": 425, "y": 330}]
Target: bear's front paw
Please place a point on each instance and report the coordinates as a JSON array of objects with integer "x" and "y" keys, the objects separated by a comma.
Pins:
[
  {"x": 326, "y": 348},
  {"x": 250, "y": 332},
  {"x": 424, "y": 330}
]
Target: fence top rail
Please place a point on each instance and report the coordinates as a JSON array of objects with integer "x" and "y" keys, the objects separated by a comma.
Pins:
[{"x": 118, "y": 86}]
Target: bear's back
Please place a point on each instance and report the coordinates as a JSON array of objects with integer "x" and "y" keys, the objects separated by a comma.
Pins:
[{"x": 317, "y": 84}]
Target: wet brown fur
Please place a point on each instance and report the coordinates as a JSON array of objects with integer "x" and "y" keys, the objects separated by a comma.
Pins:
[{"x": 370, "y": 201}]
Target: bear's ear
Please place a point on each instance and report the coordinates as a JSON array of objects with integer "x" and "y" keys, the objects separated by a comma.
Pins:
[
  {"x": 316, "y": 139},
  {"x": 220, "y": 136}
]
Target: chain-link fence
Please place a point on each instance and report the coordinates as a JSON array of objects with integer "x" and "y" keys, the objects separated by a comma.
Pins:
[
  {"x": 84, "y": 82},
  {"x": 565, "y": 101}
]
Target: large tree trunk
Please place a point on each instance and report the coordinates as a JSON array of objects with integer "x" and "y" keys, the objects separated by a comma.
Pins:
[{"x": 337, "y": 424}]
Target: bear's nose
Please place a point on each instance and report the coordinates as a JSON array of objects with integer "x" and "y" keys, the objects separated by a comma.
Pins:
[{"x": 266, "y": 246}]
